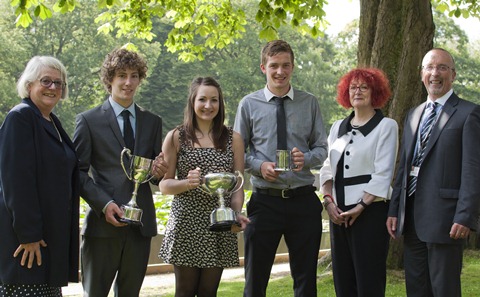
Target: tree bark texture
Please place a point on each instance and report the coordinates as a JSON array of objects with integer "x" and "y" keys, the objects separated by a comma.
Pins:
[{"x": 394, "y": 36}]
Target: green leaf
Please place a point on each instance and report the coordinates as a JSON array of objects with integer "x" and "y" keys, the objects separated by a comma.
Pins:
[
  {"x": 442, "y": 7},
  {"x": 105, "y": 28},
  {"x": 458, "y": 12},
  {"x": 268, "y": 33},
  {"x": 43, "y": 12},
  {"x": 23, "y": 19}
]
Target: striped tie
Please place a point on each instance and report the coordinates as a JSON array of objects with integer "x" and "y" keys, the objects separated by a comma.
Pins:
[{"x": 425, "y": 131}]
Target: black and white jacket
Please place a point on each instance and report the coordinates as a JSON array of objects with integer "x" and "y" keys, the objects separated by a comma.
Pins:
[{"x": 369, "y": 155}]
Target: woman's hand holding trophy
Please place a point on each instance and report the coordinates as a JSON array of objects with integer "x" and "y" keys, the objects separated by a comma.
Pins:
[{"x": 193, "y": 179}]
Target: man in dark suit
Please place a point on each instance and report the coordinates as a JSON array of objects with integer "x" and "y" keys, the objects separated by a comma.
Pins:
[
  {"x": 111, "y": 248},
  {"x": 437, "y": 188}
]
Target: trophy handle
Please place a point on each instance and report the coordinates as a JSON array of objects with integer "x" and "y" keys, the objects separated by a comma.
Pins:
[
  {"x": 150, "y": 178},
  {"x": 129, "y": 154},
  {"x": 203, "y": 188},
  {"x": 238, "y": 186}
]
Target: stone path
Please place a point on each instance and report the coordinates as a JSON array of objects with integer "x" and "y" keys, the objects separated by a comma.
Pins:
[{"x": 156, "y": 285}]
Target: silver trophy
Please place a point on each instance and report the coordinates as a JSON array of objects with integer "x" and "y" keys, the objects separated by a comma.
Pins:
[
  {"x": 139, "y": 171},
  {"x": 283, "y": 160},
  {"x": 221, "y": 184}
]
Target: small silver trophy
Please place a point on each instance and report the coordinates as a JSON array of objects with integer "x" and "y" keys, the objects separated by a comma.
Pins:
[
  {"x": 221, "y": 184},
  {"x": 283, "y": 160},
  {"x": 139, "y": 171}
]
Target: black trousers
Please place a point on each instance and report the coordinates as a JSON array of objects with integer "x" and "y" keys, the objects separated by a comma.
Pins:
[
  {"x": 359, "y": 254},
  {"x": 299, "y": 220}
]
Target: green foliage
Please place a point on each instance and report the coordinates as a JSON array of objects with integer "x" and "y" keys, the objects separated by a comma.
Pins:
[
  {"x": 196, "y": 25},
  {"x": 458, "y": 8},
  {"x": 162, "y": 203}
]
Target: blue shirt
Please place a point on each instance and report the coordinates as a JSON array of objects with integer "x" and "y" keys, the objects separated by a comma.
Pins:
[
  {"x": 117, "y": 108},
  {"x": 257, "y": 123}
]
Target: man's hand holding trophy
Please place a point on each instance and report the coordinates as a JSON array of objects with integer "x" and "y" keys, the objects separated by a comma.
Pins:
[{"x": 140, "y": 170}]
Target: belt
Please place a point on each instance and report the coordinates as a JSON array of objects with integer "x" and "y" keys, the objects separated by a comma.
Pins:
[{"x": 286, "y": 193}]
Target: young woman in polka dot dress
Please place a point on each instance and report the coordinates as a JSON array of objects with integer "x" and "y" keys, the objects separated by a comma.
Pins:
[{"x": 203, "y": 144}]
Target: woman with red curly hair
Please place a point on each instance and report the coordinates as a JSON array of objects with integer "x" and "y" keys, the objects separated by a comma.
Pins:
[{"x": 356, "y": 179}]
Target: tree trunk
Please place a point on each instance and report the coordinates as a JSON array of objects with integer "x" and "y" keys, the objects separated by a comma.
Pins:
[{"x": 394, "y": 36}]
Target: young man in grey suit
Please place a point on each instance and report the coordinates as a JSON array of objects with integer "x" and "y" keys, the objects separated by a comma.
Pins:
[
  {"x": 437, "y": 188},
  {"x": 111, "y": 248}
]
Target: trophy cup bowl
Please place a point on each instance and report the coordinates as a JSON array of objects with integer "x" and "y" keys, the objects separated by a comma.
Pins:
[
  {"x": 283, "y": 160},
  {"x": 220, "y": 184},
  {"x": 138, "y": 171}
]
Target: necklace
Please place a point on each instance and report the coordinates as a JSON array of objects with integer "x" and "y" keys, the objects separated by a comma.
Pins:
[
  {"x": 56, "y": 129},
  {"x": 356, "y": 126}
]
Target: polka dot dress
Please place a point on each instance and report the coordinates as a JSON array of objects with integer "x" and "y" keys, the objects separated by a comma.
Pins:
[
  {"x": 30, "y": 291},
  {"x": 188, "y": 241}
]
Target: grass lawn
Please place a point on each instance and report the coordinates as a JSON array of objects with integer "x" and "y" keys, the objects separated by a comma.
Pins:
[{"x": 395, "y": 282}]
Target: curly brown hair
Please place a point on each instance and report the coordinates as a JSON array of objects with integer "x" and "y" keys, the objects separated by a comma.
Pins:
[
  {"x": 121, "y": 58},
  {"x": 375, "y": 79}
]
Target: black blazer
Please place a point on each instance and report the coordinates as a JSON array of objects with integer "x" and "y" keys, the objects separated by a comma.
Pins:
[
  {"x": 99, "y": 142},
  {"x": 448, "y": 184},
  {"x": 35, "y": 202}
]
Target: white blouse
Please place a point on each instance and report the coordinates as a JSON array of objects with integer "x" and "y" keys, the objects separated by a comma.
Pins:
[{"x": 369, "y": 155}]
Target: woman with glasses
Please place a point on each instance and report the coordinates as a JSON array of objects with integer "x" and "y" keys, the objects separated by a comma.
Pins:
[
  {"x": 39, "y": 200},
  {"x": 356, "y": 183}
]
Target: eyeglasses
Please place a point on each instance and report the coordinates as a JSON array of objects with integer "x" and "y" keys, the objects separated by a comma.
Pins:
[
  {"x": 441, "y": 68},
  {"x": 47, "y": 83},
  {"x": 362, "y": 88}
]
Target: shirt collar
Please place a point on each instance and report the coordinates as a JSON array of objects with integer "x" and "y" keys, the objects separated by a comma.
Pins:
[
  {"x": 345, "y": 126},
  {"x": 117, "y": 108},
  {"x": 269, "y": 95},
  {"x": 442, "y": 100}
]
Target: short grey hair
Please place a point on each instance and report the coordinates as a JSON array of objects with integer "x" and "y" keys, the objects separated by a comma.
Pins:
[{"x": 34, "y": 69}]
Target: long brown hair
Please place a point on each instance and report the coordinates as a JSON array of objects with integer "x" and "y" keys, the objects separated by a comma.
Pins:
[{"x": 219, "y": 131}]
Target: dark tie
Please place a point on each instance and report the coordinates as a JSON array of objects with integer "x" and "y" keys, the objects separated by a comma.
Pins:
[
  {"x": 281, "y": 124},
  {"x": 128, "y": 131},
  {"x": 425, "y": 131}
]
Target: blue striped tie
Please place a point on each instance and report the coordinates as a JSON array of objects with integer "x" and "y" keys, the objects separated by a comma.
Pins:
[{"x": 425, "y": 131}]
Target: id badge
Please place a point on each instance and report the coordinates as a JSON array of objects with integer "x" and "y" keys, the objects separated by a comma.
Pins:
[{"x": 414, "y": 171}]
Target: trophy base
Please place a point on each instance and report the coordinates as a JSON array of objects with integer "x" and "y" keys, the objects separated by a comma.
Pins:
[
  {"x": 129, "y": 221},
  {"x": 222, "y": 226},
  {"x": 132, "y": 215}
]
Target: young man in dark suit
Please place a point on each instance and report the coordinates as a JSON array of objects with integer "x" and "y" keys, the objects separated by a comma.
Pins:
[
  {"x": 437, "y": 188},
  {"x": 111, "y": 248}
]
